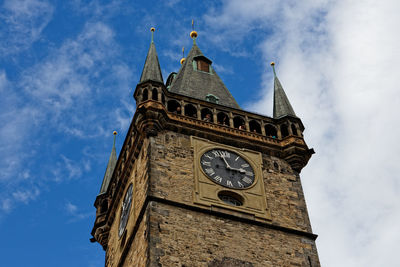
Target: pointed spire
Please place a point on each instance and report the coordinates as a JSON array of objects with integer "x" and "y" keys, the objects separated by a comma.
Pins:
[
  {"x": 151, "y": 70},
  {"x": 191, "y": 81},
  {"x": 110, "y": 168},
  {"x": 282, "y": 105}
]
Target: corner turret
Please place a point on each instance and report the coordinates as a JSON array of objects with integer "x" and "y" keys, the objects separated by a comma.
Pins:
[
  {"x": 282, "y": 106},
  {"x": 151, "y": 70}
]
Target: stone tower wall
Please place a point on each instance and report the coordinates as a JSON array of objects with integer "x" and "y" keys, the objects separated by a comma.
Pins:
[
  {"x": 169, "y": 229},
  {"x": 181, "y": 237},
  {"x": 171, "y": 177}
]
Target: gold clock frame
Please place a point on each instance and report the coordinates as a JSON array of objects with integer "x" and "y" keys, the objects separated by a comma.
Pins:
[{"x": 206, "y": 191}]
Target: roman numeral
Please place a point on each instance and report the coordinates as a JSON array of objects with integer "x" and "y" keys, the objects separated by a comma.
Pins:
[
  {"x": 216, "y": 153},
  {"x": 210, "y": 171},
  {"x": 206, "y": 163},
  {"x": 207, "y": 156},
  {"x": 245, "y": 165},
  {"x": 249, "y": 173},
  {"x": 247, "y": 180},
  {"x": 229, "y": 183},
  {"x": 221, "y": 154},
  {"x": 240, "y": 184},
  {"x": 237, "y": 158},
  {"x": 225, "y": 154},
  {"x": 218, "y": 179}
]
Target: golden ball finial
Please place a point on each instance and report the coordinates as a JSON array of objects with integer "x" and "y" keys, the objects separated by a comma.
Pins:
[
  {"x": 182, "y": 60},
  {"x": 152, "y": 29},
  {"x": 115, "y": 133},
  {"x": 272, "y": 63},
  {"x": 193, "y": 34}
]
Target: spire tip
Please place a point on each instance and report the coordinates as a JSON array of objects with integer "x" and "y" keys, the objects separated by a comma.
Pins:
[
  {"x": 273, "y": 68},
  {"x": 193, "y": 33},
  {"x": 183, "y": 56},
  {"x": 115, "y": 135},
  {"x": 152, "y": 29}
]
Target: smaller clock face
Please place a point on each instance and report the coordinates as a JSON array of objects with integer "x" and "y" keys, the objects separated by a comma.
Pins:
[
  {"x": 227, "y": 168},
  {"x": 126, "y": 207}
]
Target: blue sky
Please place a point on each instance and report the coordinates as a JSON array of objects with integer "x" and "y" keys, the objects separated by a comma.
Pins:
[{"x": 67, "y": 73}]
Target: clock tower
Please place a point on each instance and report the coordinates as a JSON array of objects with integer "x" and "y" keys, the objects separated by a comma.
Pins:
[{"x": 200, "y": 181}]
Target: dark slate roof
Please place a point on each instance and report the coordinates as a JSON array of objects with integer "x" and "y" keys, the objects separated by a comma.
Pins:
[
  {"x": 109, "y": 171},
  {"x": 282, "y": 105},
  {"x": 151, "y": 70},
  {"x": 199, "y": 84}
]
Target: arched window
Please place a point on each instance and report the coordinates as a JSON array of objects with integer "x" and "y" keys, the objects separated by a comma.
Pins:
[
  {"x": 284, "y": 130},
  {"x": 145, "y": 95},
  {"x": 223, "y": 119},
  {"x": 238, "y": 122},
  {"x": 206, "y": 115},
  {"x": 154, "y": 94},
  {"x": 270, "y": 131},
  {"x": 294, "y": 129},
  {"x": 174, "y": 106},
  {"x": 170, "y": 79},
  {"x": 162, "y": 98},
  {"x": 212, "y": 98},
  {"x": 254, "y": 127},
  {"x": 190, "y": 111}
]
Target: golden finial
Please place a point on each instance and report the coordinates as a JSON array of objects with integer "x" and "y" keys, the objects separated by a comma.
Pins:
[
  {"x": 193, "y": 33},
  {"x": 152, "y": 29},
  {"x": 115, "y": 135},
  {"x": 273, "y": 67},
  {"x": 183, "y": 55}
]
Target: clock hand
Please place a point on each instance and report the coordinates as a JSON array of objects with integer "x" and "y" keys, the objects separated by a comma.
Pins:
[
  {"x": 239, "y": 170},
  {"x": 233, "y": 169},
  {"x": 226, "y": 163}
]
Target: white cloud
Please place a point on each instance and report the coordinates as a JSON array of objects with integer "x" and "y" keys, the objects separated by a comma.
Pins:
[
  {"x": 22, "y": 24},
  {"x": 73, "y": 168},
  {"x": 337, "y": 61},
  {"x": 71, "y": 208},
  {"x": 52, "y": 100},
  {"x": 75, "y": 214},
  {"x": 26, "y": 195},
  {"x": 220, "y": 69},
  {"x": 5, "y": 205}
]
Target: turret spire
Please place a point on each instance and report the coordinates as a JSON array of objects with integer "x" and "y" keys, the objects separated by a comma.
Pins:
[
  {"x": 110, "y": 168},
  {"x": 282, "y": 106},
  {"x": 151, "y": 70}
]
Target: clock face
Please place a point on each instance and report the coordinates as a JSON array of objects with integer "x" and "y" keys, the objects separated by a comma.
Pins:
[
  {"x": 126, "y": 207},
  {"x": 227, "y": 168}
]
